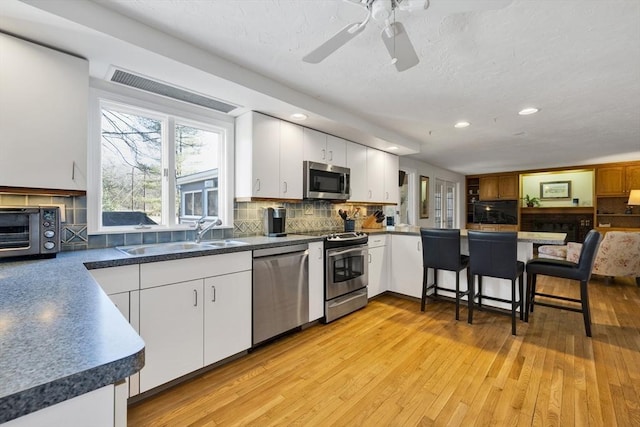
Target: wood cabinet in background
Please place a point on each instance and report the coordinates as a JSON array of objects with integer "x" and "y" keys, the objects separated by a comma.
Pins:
[
  {"x": 499, "y": 187},
  {"x": 618, "y": 180}
]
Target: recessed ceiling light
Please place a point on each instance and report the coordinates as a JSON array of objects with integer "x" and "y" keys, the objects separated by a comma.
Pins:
[
  {"x": 393, "y": 147},
  {"x": 298, "y": 116},
  {"x": 527, "y": 111},
  {"x": 462, "y": 125}
]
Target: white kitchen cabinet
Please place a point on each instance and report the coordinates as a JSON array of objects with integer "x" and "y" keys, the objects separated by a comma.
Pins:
[
  {"x": 323, "y": 148},
  {"x": 43, "y": 116},
  {"x": 357, "y": 163},
  {"x": 378, "y": 265},
  {"x": 95, "y": 409},
  {"x": 171, "y": 325},
  {"x": 227, "y": 316},
  {"x": 391, "y": 187},
  {"x": 375, "y": 175},
  {"x": 316, "y": 280},
  {"x": 268, "y": 157},
  {"x": 406, "y": 265}
]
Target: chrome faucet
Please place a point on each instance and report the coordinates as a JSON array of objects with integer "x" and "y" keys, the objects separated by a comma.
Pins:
[{"x": 201, "y": 229}]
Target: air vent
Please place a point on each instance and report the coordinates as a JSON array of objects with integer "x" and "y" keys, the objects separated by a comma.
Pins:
[{"x": 158, "y": 88}]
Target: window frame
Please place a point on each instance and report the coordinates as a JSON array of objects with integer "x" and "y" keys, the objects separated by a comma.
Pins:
[{"x": 129, "y": 100}]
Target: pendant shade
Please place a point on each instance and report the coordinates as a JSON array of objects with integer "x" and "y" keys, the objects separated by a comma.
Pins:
[{"x": 634, "y": 197}]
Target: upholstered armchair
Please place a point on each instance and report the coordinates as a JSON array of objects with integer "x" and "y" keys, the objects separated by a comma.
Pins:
[{"x": 618, "y": 254}]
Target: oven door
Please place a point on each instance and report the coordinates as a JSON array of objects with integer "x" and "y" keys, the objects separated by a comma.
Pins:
[
  {"x": 19, "y": 232},
  {"x": 347, "y": 270}
]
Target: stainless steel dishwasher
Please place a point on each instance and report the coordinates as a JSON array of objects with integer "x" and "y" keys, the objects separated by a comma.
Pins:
[{"x": 280, "y": 290}]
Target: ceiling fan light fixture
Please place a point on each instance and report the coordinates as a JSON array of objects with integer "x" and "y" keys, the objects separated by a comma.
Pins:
[
  {"x": 462, "y": 124},
  {"x": 528, "y": 111}
]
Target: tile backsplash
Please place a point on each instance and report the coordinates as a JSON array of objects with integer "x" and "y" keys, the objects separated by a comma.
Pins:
[{"x": 304, "y": 216}]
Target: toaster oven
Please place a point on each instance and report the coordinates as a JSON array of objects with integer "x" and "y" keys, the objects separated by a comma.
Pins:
[{"x": 29, "y": 231}]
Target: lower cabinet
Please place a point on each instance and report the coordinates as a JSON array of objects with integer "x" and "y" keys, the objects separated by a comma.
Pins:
[
  {"x": 378, "y": 265},
  {"x": 192, "y": 324},
  {"x": 316, "y": 280},
  {"x": 406, "y": 265},
  {"x": 227, "y": 315}
]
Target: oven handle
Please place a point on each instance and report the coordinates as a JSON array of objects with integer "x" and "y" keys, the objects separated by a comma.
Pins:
[{"x": 346, "y": 251}]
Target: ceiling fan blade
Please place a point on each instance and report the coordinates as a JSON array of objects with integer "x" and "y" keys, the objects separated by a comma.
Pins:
[
  {"x": 334, "y": 43},
  {"x": 397, "y": 41}
]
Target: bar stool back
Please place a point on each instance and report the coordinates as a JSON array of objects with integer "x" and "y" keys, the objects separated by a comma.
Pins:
[
  {"x": 441, "y": 251},
  {"x": 495, "y": 254}
]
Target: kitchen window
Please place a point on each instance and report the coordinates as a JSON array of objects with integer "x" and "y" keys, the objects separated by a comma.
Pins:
[{"x": 157, "y": 165}]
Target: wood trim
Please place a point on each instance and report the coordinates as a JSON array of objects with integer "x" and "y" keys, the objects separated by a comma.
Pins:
[
  {"x": 557, "y": 210},
  {"x": 42, "y": 191}
]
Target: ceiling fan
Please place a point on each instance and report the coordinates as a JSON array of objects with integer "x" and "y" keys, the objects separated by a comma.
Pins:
[{"x": 394, "y": 35}]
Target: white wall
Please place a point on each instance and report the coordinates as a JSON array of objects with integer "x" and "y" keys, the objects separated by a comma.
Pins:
[
  {"x": 581, "y": 187},
  {"x": 417, "y": 168}
]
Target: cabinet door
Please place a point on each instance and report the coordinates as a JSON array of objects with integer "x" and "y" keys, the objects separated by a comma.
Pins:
[
  {"x": 266, "y": 156},
  {"x": 357, "y": 163},
  {"x": 121, "y": 301},
  {"x": 489, "y": 188},
  {"x": 378, "y": 270},
  {"x": 315, "y": 146},
  {"x": 316, "y": 280},
  {"x": 632, "y": 178},
  {"x": 406, "y": 265},
  {"x": 336, "y": 151},
  {"x": 290, "y": 161},
  {"x": 227, "y": 316},
  {"x": 391, "y": 187},
  {"x": 171, "y": 325},
  {"x": 610, "y": 181},
  {"x": 43, "y": 116},
  {"x": 375, "y": 175},
  {"x": 508, "y": 187}
]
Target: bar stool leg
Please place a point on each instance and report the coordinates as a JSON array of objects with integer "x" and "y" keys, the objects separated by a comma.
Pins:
[
  {"x": 513, "y": 306},
  {"x": 479, "y": 291},
  {"x": 586, "y": 313},
  {"x": 522, "y": 298},
  {"x": 425, "y": 274},
  {"x": 472, "y": 296},
  {"x": 458, "y": 295}
]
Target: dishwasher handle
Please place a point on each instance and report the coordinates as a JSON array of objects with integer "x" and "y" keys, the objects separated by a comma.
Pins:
[{"x": 280, "y": 250}]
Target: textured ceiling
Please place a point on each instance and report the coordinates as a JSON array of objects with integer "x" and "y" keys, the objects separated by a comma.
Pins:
[{"x": 576, "y": 60}]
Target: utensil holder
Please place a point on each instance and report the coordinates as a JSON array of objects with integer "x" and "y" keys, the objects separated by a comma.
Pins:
[{"x": 349, "y": 225}]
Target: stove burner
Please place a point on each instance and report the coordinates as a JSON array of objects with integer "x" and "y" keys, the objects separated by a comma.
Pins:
[{"x": 346, "y": 236}]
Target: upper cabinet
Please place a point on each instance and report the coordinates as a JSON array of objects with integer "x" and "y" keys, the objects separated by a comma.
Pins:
[
  {"x": 43, "y": 116},
  {"x": 617, "y": 180},
  {"x": 499, "y": 187},
  {"x": 268, "y": 157},
  {"x": 374, "y": 175},
  {"x": 323, "y": 148}
]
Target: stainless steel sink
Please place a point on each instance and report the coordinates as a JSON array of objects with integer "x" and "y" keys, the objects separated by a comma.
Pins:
[{"x": 173, "y": 247}]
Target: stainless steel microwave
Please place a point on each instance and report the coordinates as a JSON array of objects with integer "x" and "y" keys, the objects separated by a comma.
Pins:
[
  {"x": 328, "y": 182},
  {"x": 29, "y": 231}
]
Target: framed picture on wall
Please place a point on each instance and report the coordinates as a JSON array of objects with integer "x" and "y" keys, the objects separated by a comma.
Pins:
[
  {"x": 555, "y": 190},
  {"x": 424, "y": 197}
]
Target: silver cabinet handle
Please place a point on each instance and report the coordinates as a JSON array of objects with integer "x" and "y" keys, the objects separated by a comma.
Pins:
[
  {"x": 257, "y": 184},
  {"x": 331, "y": 155},
  {"x": 319, "y": 253},
  {"x": 370, "y": 194},
  {"x": 73, "y": 170},
  {"x": 324, "y": 154},
  {"x": 195, "y": 298},
  {"x": 213, "y": 294},
  {"x": 285, "y": 187},
  {"x": 369, "y": 258},
  {"x": 419, "y": 245}
]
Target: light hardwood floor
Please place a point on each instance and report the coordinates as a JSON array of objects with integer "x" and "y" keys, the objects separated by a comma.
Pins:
[{"x": 391, "y": 365}]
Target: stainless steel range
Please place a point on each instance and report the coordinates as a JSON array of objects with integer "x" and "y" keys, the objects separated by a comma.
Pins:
[{"x": 346, "y": 273}]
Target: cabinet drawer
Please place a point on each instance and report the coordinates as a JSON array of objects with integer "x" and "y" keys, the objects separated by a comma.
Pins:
[
  {"x": 181, "y": 270},
  {"x": 377, "y": 240},
  {"x": 115, "y": 280}
]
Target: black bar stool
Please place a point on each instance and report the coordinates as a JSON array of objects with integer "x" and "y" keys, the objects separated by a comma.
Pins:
[
  {"x": 441, "y": 251},
  {"x": 495, "y": 254},
  {"x": 566, "y": 270}
]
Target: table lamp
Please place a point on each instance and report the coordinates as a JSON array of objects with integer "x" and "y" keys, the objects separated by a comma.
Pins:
[{"x": 634, "y": 200}]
